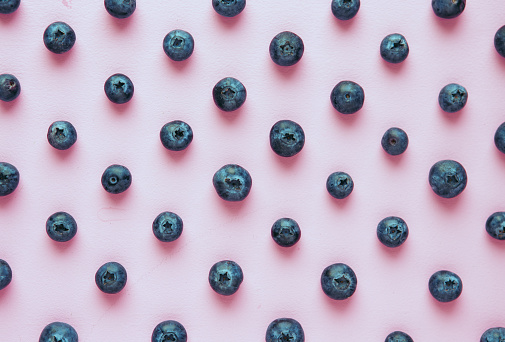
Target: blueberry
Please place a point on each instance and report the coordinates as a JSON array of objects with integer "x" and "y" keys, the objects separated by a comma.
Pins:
[
  {"x": 61, "y": 135},
  {"x": 120, "y": 8},
  {"x": 286, "y": 49},
  {"x": 286, "y": 232},
  {"x": 61, "y": 226},
  {"x": 111, "y": 277},
  {"x": 394, "y": 48},
  {"x": 5, "y": 274},
  {"x": 58, "y": 332},
  {"x": 229, "y": 94},
  {"x": 176, "y": 135},
  {"x": 9, "y": 6},
  {"x": 499, "y": 41},
  {"x": 448, "y": 9},
  {"x": 339, "y": 185},
  {"x": 495, "y": 225},
  {"x": 228, "y": 8},
  {"x": 499, "y": 138},
  {"x": 178, "y": 45},
  {"x": 395, "y": 141},
  {"x": 445, "y": 286},
  {"x": 452, "y": 98},
  {"x": 493, "y": 335},
  {"x": 338, "y": 281},
  {"x": 119, "y": 88},
  {"x": 116, "y": 179},
  {"x": 225, "y": 277},
  {"x": 392, "y": 231},
  {"x": 285, "y": 329},
  {"x": 169, "y": 331},
  {"x": 286, "y": 138},
  {"x": 167, "y": 226},
  {"x": 344, "y": 9},
  {"x": 232, "y": 182},
  {"x": 9, "y": 178},
  {"x": 9, "y": 87},
  {"x": 398, "y": 336},
  {"x": 59, "y": 37},
  {"x": 447, "y": 178},
  {"x": 347, "y": 97}
]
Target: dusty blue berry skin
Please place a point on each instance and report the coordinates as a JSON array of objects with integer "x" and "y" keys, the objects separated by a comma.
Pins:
[
  {"x": 452, "y": 98},
  {"x": 338, "y": 281},
  {"x": 398, "y": 336},
  {"x": 347, "y": 97},
  {"x": 232, "y": 182},
  {"x": 9, "y": 6},
  {"x": 61, "y": 135},
  {"x": 287, "y": 138},
  {"x": 495, "y": 225},
  {"x": 445, "y": 286},
  {"x": 345, "y": 9},
  {"x": 229, "y": 94},
  {"x": 448, "y": 9},
  {"x": 499, "y": 41},
  {"x": 5, "y": 274},
  {"x": 167, "y": 226},
  {"x": 120, "y": 9},
  {"x": 394, "y": 48},
  {"x": 59, "y": 37},
  {"x": 9, "y": 87},
  {"x": 496, "y": 334},
  {"x": 285, "y": 329},
  {"x": 392, "y": 231},
  {"x": 169, "y": 331},
  {"x": 116, "y": 179},
  {"x": 228, "y": 8},
  {"x": 339, "y": 184},
  {"x": 499, "y": 138},
  {"x": 58, "y": 332},
  {"x": 395, "y": 141},
  {"x": 9, "y": 178},
  {"x": 119, "y": 88},
  {"x": 61, "y": 226},
  {"x": 178, "y": 45},
  {"x": 111, "y": 277},
  {"x": 225, "y": 277},
  {"x": 286, "y": 232},
  {"x": 176, "y": 135},
  {"x": 447, "y": 178},
  {"x": 286, "y": 48}
]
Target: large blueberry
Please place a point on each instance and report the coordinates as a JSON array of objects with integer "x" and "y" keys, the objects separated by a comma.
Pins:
[
  {"x": 392, "y": 231},
  {"x": 447, "y": 178},
  {"x": 9, "y": 87},
  {"x": 448, "y": 9},
  {"x": 395, "y": 141},
  {"x": 61, "y": 135},
  {"x": 228, "y": 8},
  {"x": 5, "y": 274},
  {"x": 347, "y": 97},
  {"x": 225, "y": 277},
  {"x": 499, "y": 138},
  {"x": 394, "y": 48},
  {"x": 119, "y": 88},
  {"x": 58, "y": 332},
  {"x": 344, "y": 9},
  {"x": 398, "y": 336},
  {"x": 111, "y": 277},
  {"x": 178, "y": 45},
  {"x": 9, "y": 178},
  {"x": 9, "y": 6},
  {"x": 232, "y": 182},
  {"x": 286, "y": 138},
  {"x": 499, "y": 41},
  {"x": 445, "y": 286},
  {"x": 229, "y": 94},
  {"x": 61, "y": 226},
  {"x": 120, "y": 8},
  {"x": 496, "y": 334},
  {"x": 452, "y": 97},
  {"x": 170, "y": 330},
  {"x": 116, "y": 179},
  {"x": 59, "y": 37},
  {"x": 286, "y": 232},
  {"x": 495, "y": 225},
  {"x": 339, "y": 184},
  {"x": 167, "y": 226},
  {"x": 285, "y": 329},
  {"x": 286, "y": 48},
  {"x": 176, "y": 135},
  {"x": 338, "y": 281}
]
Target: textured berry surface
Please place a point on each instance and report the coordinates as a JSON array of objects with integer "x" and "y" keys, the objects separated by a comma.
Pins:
[
  {"x": 452, "y": 97},
  {"x": 448, "y": 9},
  {"x": 285, "y": 329},
  {"x": 338, "y": 281},
  {"x": 225, "y": 277},
  {"x": 447, "y": 178},
  {"x": 339, "y": 184},
  {"x": 120, "y": 8},
  {"x": 395, "y": 141},
  {"x": 119, "y": 88},
  {"x": 345, "y": 9},
  {"x": 286, "y": 48},
  {"x": 5, "y": 274},
  {"x": 228, "y": 8},
  {"x": 394, "y": 48},
  {"x": 9, "y": 6},
  {"x": 392, "y": 231},
  {"x": 169, "y": 331},
  {"x": 398, "y": 336},
  {"x": 9, "y": 178},
  {"x": 445, "y": 286},
  {"x": 59, "y": 37},
  {"x": 176, "y": 135},
  {"x": 61, "y": 226},
  {"x": 116, "y": 179},
  {"x": 9, "y": 87},
  {"x": 61, "y": 135},
  {"x": 347, "y": 97},
  {"x": 496, "y": 334},
  {"x": 495, "y": 225},
  {"x": 58, "y": 331},
  {"x": 111, "y": 277},
  {"x": 178, "y": 45},
  {"x": 287, "y": 138},
  {"x": 232, "y": 182},
  {"x": 229, "y": 94},
  {"x": 167, "y": 226},
  {"x": 286, "y": 232}
]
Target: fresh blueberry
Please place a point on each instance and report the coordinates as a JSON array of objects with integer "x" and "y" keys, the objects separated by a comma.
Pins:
[
  {"x": 448, "y": 9},
  {"x": 395, "y": 141},
  {"x": 5, "y": 274},
  {"x": 493, "y": 335},
  {"x": 344, "y": 9},
  {"x": 445, "y": 286},
  {"x": 167, "y": 226},
  {"x": 447, "y": 178},
  {"x": 347, "y": 97},
  {"x": 229, "y": 94},
  {"x": 61, "y": 135},
  {"x": 394, "y": 48},
  {"x": 119, "y": 88},
  {"x": 285, "y": 329},
  {"x": 392, "y": 231},
  {"x": 232, "y": 182},
  {"x": 452, "y": 98},
  {"x": 286, "y": 48},
  {"x": 286, "y": 138},
  {"x": 398, "y": 336},
  {"x": 286, "y": 232},
  {"x": 499, "y": 138},
  {"x": 111, "y": 277},
  {"x": 116, "y": 179},
  {"x": 176, "y": 135},
  {"x": 61, "y": 226},
  {"x": 225, "y": 277},
  {"x": 228, "y": 8},
  {"x": 120, "y": 8},
  {"x": 9, "y": 6},
  {"x": 495, "y": 225},
  {"x": 59, "y": 37},
  {"x": 168, "y": 331},
  {"x": 9, "y": 87},
  {"x": 338, "y": 281},
  {"x": 178, "y": 45},
  {"x": 9, "y": 178},
  {"x": 339, "y": 185},
  {"x": 499, "y": 41},
  {"x": 58, "y": 332}
]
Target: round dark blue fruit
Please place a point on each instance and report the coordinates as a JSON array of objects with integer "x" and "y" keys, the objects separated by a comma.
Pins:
[
  {"x": 229, "y": 94},
  {"x": 232, "y": 182},
  {"x": 228, "y": 8},
  {"x": 398, "y": 336},
  {"x": 61, "y": 135},
  {"x": 9, "y": 87},
  {"x": 499, "y": 138},
  {"x": 285, "y": 329},
  {"x": 59, "y": 37},
  {"x": 119, "y": 88},
  {"x": 9, "y": 6},
  {"x": 395, "y": 141},
  {"x": 176, "y": 135},
  {"x": 445, "y": 286},
  {"x": 9, "y": 178},
  {"x": 178, "y": 45},
  {"x": 452, "y": 98},
  {"x": 286, "y": 49},
  {"x": 167, "y": 226},
  {"x": 338, "y": 281},
  {"x": 499, "y": 41},
  {"x": 5, "y": 274},
  {"x": 61, "y": 226},
  {"x": 168, "y": 331},
  {"x": 339, "y": 185},
  {"x": 347, "y": 97},
  {"x": 496, "y": 334},
  {"x": 448, "y": 9},
  {"x": 495, "y": 225},
  {"x": 392, "y": 231},
  {"x": 111, "y": 277},
  {"x": 120, "y": 8},
  {"x": 345, "y": 9},
  {"x": 394, "y": 48},
  {"x": 116, "y": 179},
  {"x": 286, "y": 138},
  {"x": 225, "y": 277},
  {"x": 447, "y": 178},
  {"x": 58, "y": 332},
  {"x": 286, "y": 232}
]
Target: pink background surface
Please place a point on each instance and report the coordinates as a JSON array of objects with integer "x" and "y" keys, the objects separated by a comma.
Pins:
[{"x": 53, "y": 281}]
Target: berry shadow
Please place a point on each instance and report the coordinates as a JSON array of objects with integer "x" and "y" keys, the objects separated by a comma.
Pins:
[
  {"x": 177, "y": 156},
  {"x": 392, "y": 253},
  {"x": 120, "y": 25},
  {"x": 227, "y": 23},
  {"x": 117, "y": 198},
  {"x": 7, "y": 19},
  {"x": 447, "y": 308},
  {"x": 62, "y": 247},
  {"x": 286, "y": 252},
  {"x": 169, "y": 248},
  {"x": 338, "y": 305},
  {"x": 178, "y": 66},
  {"x": 59, "y": 59},
  {"x": 7, "y": 201},
  {"x": 395, "y": 160},
  {"x": 497, "y": 246},
  {"x": 9, "y": 106},
  {"x": 447, "y": 203},
  {"x": 286, "y": 72},
  {"x": 61, "y": 155},
  {"x": 499, "y": 60},
  {"x": 110, "y": 299},
  {"x": 340, "y": 203},
  {"x": 499, "y": 155},
  {"x": 233, "y": 208},
  {"x": 229, "y": 117},
  {"x": 344, "y": 25},
  {"x": 119, "y": 108},
  {"x": 346, "y": 119},
  {"x": 226, "y": 301},
  {"x": 447, "y": 25},
  {"x": 453, "y": 118},
  {"x": 6, "y": 291},
  {"x": 393, "y": 68},
  {"x": 287, "y": 162}
]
